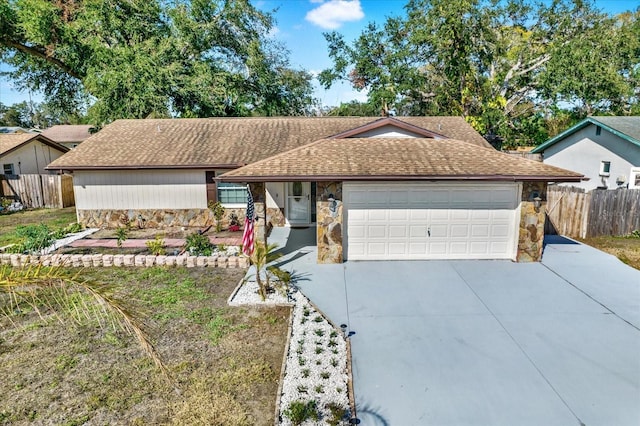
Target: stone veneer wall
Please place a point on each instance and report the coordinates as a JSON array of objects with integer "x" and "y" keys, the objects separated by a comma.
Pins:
[
  {"x": 531, "y": 230},
  {"x": 156, "y": 219},
  {"x": 108, "y": 260},
  {"x": 275, "y": 216},
  {"x": 329, "y": 224}
]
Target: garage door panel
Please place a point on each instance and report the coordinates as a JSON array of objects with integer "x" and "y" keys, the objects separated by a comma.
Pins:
[
  {"x": 398, "y": 248},
  {"x": 459, "y": 231},
  {"x": 417, "y": 231},
  {"x": 398, "y": 214},
  {"x": 374, "y": 231},
  {"x": 439, "y": 215},
  {"x": 430, "y": 221},
  {"x": 438, "y": 231},
  {"x": 398, "y": 231},
  {"x": 480, "y": 231}
]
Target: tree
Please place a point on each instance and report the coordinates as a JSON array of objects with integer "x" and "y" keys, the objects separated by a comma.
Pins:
[
  {"x": 498, "y": 64},
  {"x": 141, "y": 58}
]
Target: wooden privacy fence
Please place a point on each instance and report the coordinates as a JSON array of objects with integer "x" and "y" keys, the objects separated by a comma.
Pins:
[
  {"x": 575, "y": 213},
  {"x": 51, "y": 191}
]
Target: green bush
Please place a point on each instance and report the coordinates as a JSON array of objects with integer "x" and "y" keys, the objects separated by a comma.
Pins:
[
  {"x": 33, "y": 238},
  {"x": 198, "y": 245},
  {"x": 156, "y": 246},
  {"x": 299, "y": 411},
  {"x": 121, "y": 234}
]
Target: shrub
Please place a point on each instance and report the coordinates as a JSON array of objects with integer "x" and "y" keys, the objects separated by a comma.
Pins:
[
  {"x": 218, "y": 213},
  {"x": 299, "y": 411},
  {"x": 338, "y": 414},
  {"x": 34, "y": 238},
  {"x": 121, "y": 234},
  {"x": 198, "y": 244},
  {"x": 156, "y": 246}
]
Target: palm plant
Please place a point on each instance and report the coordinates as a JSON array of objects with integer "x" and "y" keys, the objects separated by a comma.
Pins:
[
  {"x": 263, "y": 254},
  {"x": 58, "y": 291}
]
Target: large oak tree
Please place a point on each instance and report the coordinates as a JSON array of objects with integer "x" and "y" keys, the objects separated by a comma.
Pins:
[
  {"x": 504, "y": 65},
  {"x": 142, "y": 58}
]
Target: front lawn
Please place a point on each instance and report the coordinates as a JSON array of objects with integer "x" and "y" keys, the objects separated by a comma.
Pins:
[
  {"x": 224, "y": 362},
  {"x": 627, "y": 249},
  {"x": 53, "y": 218}
]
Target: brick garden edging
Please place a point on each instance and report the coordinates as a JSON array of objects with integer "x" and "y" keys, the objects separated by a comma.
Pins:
[{"x": 127, "y": 260}]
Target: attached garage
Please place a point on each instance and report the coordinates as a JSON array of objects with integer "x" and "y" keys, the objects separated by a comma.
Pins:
[{"x": 436, "y": 220}]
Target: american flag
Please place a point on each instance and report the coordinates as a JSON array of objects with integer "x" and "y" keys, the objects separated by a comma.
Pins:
[{"x": 247, "y": 236}]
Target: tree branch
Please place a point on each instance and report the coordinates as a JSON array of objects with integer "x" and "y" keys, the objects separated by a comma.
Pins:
[{"x": 34, "y": 51}]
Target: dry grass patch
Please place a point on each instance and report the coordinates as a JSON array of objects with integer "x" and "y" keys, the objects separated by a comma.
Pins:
[
  {"x": 627, "y": 249},
  {"x": 224, "y": 362}
]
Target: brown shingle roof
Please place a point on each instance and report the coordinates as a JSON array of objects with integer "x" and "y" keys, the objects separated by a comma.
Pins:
[
  {"x": 219, "y": 142},
  {"x": 397, "y": 159},
  {"x": 12, "y": 141},
  {"x": 68, "y": 132}
]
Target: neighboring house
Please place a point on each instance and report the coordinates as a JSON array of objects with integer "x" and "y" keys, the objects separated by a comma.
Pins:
[
  {"x": 377, "y": 188},
  {"x": 69, "y": 135},
  {"x": 605, "y": 149},
  {"x": 27, "y": 153},
  {"x": 15, "y": 130}
]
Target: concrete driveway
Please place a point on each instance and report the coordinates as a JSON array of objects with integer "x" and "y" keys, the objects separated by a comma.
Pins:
[{"x": 488, "y": 342}]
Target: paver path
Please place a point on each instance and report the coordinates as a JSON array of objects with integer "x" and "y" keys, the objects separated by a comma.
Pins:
[{"x": 140, "y": 243}]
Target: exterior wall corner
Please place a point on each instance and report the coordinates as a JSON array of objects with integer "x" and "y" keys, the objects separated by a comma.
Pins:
[
  {"x": 532, "y": 219},
  {"x": 329, "y": 210}
]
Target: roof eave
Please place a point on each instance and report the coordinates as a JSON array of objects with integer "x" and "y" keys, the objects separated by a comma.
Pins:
[
  {"x": 321, "y": 178},
  {"x": 584, "y": 123},
  {"x": 147, "y": 167}
]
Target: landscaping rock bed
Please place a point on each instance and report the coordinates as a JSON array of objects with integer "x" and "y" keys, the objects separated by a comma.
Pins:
[{"x": 315, "y": 369}]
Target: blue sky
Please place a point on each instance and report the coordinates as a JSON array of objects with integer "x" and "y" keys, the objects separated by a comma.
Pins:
[{"x": 300, "y": 24}]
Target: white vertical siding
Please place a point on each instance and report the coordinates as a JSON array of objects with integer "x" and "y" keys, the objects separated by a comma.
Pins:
[
  {"x": 31, "y": 158},
  {"x": 140, "y": 189}
]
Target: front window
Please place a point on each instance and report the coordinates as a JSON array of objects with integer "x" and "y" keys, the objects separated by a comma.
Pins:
[
  {"x": 8, "y": 169},
  {"x": 232, "y": 193}
]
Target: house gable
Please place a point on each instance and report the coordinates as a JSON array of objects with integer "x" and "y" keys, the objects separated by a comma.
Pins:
[{"x": 389, "y": 127}]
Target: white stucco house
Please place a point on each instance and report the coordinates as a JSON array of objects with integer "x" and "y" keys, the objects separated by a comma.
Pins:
[
  {"x": 374, "y": 188},
  {"x": 27, "y": 153},
  {"x": 604, "y": 149}
]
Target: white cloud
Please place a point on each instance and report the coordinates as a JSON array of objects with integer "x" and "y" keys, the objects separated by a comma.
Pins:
[{"x": 332, "y": 14}]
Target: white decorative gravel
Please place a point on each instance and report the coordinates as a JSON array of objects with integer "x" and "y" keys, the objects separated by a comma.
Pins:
[{"x": 316, "y": 362}]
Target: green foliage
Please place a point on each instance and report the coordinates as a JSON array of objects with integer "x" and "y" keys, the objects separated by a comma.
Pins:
[
  {"x": 142, "y": 59},
  {"x": 635, "y": 234},
  {"x": 338, "y": 414},
  {"x": 121, "y": 234},
  {"x": 503, "y": 65},
  {"x": 261, "y": 257},
  {"x": 299, "y": 412},
  {"x": 197, "y": 244},
  {"x": 69, "y": 229},
  {"x": 219, "y": 327},
  {"x": 33, "y": 238},
  {"x": 218, "y": 213},
  {"x": 156, "y": 246}
]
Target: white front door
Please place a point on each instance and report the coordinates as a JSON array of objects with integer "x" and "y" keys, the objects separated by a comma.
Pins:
[
  {"x": 393, "y": 221},
  {"x": 298, "y": 203}
]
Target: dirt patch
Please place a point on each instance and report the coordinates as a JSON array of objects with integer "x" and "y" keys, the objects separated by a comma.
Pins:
[
  {"x": 225, "y": 361},
  {"x": 627, "y": 249}
]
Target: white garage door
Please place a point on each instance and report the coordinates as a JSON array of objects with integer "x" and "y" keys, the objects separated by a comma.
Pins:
[{"x": 394, "y": 221}]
